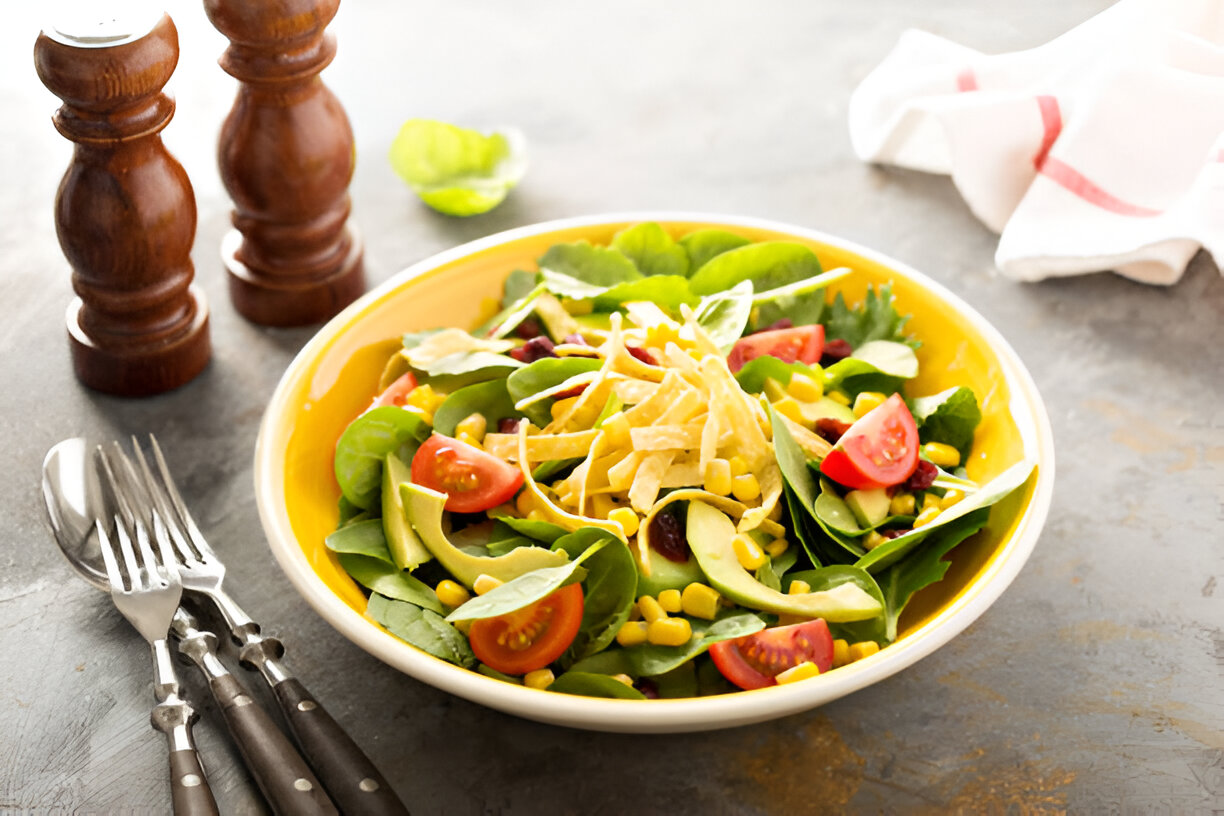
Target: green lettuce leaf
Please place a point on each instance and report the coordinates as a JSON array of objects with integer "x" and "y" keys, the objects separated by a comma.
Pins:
[
  {"x": 457, "y": 171},
  {"x": 768, "y": 265},
  {"x": 704, "y": 244},
  {"x": 652, "y": 250},
  {"x": 950, "y": 417},
  {"x": 423, "y": 628},
  {"x": 598, "y": 267},
  {"x": 587, "y": 684}
]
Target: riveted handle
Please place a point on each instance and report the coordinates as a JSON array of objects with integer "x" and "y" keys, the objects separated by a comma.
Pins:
[
  {"x": 347, "y": 773},
  {"x": 188, "y": 785},
  {"x": 286, "y": 781}
]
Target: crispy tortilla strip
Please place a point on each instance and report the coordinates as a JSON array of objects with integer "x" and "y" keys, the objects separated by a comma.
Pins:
[
  {"x": 448, "y": 342},
  {"x": 585, "y": 378},
  {"x": 624, "y": 362},
  {"x": 682, "y": 474},
  {"x": 710, "y": 436},
  {"x": 556, "y": 514},
  {"x": 633, "y": 392},
  {"x": 647, "y": 480},
  {"x": 737, "y": 413},
  {"x": 540, "y": 447},
  {"x": 667, "y": 437},
  {"x": 645, "y": 313},
  {"x": 620, "y": 475},
  {"x": 816, "y": 447},
  {"x": 770, "y": 479},
  {"x": 649, "y": 410}
]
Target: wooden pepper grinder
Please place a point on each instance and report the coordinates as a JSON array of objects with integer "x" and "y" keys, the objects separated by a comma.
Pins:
[
  {"x": 125, "y": 212},
  {"x": 286, "y": 156}
]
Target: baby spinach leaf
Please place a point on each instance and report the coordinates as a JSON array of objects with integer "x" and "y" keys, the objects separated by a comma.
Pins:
[
  {"x": 586, "y": 684},
  {"x": 486, "y": 363},
  {"x": 546, "y": 471},
  {"x": 649, "y": 660},
  {"x": 897, "y": 548},
  {"x": 361, "y": 538},
  {"x": 457, "y": 171},
  {"x": 608, "y": 590},
  {"x": 512, "y": 315},
  {"x": 544, "y": 531},
  {"x": 679, "y": 683},
  {"x": 702, "y": 245},
  {"x": 755, "y": 372},
  {"x": 489, "y": 399},
  {"x": 349, "y": 513},
  {"x": 423, "y": 628},
  {"x": 724, "y": 315},
  {"x": 526, "y": 589},
  {"x": 518, "y": 285},
  {"x": 950, "y": 417},
  {"x": 826, "y": 578},
  {"x": 596, "y": 266},
  {"x": 535, "y": 377},
  {"x": 668, "y": 291},
  {"x": 652, "y": 250},
  {"x": 875, "y": 357},
  {"x": 768, "y": 265},
  {"x": 366, "y": 442},
  {"x": 875, "y": 319},
  {"x": 389, "y": 580},
  {"x": 489, "y": 671}
]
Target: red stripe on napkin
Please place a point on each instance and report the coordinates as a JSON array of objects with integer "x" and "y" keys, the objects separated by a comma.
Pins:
[
  {"x": 1074, "y": 181},
  {"x": 1051, "y": 124},
  {"x": 966, "y": 81}
]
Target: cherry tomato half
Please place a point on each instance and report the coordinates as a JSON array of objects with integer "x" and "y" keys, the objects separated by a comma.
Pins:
[
  {"x": 472, "y": 479},
  {"x": 879, "y": 450},
  {"x": 753, "y": 661},
  {"x": 397, "y": 392},
  {"x": 529, "y": 638},
  {"x": 802, "y": 343}
]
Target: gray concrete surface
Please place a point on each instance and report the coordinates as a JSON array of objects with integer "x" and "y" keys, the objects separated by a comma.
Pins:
[{"x": 1093, "y": 686}]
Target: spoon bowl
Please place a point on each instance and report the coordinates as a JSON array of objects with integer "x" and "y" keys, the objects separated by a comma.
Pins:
[{"x": 75, "y": 500}]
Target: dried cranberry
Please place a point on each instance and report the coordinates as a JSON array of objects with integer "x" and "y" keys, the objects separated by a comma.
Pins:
[
  {"x": 576, "y": 340},
  {"x": 894, "y": 533},
  {"x": 667, "y": 537},
  {"x": 528, "y": 329},
  {"x": 570, "y": 392},
  {"x": 784, "y": 323},
  {"x": 835, "y": 350},
  {"x": 508, "y": 425},
  {"x": 641, "y": 354},
  {"x": 537, "y": 348},
  {"x": 649, "y": 689},
  {"x": 831, "y": 430},
  {"x": 922, "y": 477}
]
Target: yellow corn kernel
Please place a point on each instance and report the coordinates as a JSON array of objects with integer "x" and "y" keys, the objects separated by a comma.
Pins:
[
  {"x": 841, "y": 653},
  {"x": 950, "y": 498},
  {"x": 467, "y": 439},
  {"x": 873, "y": 540},
  {"x": 484, "y": 583},
  {"x": 425, "y": 398},
  {"x": 635, "y": 613},
  {"x": 867, "y": 401},
  {"x": 616, "y": 427},
  {"x": 602, "y": 505},
  {"x": 777, "y": 547},
  {"x": 671, "y": 601},
  {"x": 789, "y": 408},
  {"x": 426, "y": 416},
  {"x": 578, "y": 307},
  {"x": 631, "y": 633},
  {"x": 626, "y": 518},
  {"x": 451, "y": 594},
  {"x": 940, "y": 454},
  {"x": 669, "y": 632},
  {"x": 524, "y": 503},
  {"x": 749, "y": 553},
  {"x": 474, "y": 425},
  {"x": 804, "y": 388},
  {"x": 718, "y": 477},
  {"x": 661, "y": 334},
  {"x": 930, "y": 500},
  {"x": 700, "y": 601},
  {"x": 840, "y": 397},
  {"x": 738, "y": 466},
  {"x": 902, "y": 504},
  {"x": 799, "y": 587},
  {"x": 562, "y": 407},
  {"x": 926, "y": 516},
  {"x": 651, "y": 610},
  {"x": 802, "y": 671},
  {"x": 538, "y": 679},
  {"x": 864, "y": 648},
  {"x": 746, "y": 487},
  {"x": 622, "y": 678}
]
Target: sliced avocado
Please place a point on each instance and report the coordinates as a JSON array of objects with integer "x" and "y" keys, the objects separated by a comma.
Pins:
[
  {"x": 825, "y": 408},
  {"x": 711, "y": 533},
  {"x": 659, "y": 573},
  {"x": 870, "y": 507},
  {"x": 423, "y": 508},
  {"x": 406, "y": 549}
]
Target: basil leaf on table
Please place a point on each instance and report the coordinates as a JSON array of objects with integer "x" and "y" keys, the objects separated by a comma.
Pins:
[
  {"x": 541, "y": 375},
  {"x": 458, "y": 171},
  {"x": 585, "y": 684},
  {"x": 366, "y": 442},
  {"x": 704, "y": 244},
  {"x": 950, "y": 417},
  {"x": 652, "y": 250},
  {"x": 389, "y": 580},
  {"x": 490, "y": 399},
  {"x": 724, "y": 315},
  {"x": 423, "y": 628}
]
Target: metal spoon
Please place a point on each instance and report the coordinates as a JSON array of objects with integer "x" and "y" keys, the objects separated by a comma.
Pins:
[{"x": 75, "y": 499}]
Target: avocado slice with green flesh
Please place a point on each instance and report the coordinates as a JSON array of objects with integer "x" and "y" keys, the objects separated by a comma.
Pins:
[
  {"x": 711, "y": 533},
  {"x": 423, "y": 508},
  {"x": 664, "y": 573},
  {"x": 825, "y": 408},
  {"x": 870, "y": 507},
  {"x": 406, "y": 549}
]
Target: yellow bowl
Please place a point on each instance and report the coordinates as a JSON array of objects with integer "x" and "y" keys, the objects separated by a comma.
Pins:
[{"x": 332, "y": 379}]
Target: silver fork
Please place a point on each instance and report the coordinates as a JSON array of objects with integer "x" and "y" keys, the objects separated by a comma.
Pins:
[
  {"x": 347, "y": 773},
  {"x": 147, "y": 591}
]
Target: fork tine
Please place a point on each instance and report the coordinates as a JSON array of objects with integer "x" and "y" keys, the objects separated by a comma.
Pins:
[
  {"x": 170, "y": 492},
  {"x": 108, "y": 557},
  {"x": 168, "y": 565},
  {"x": 155, "y": 572},
  {"x": 129, "y": 556},
  {"x": 171, "y": 523}
]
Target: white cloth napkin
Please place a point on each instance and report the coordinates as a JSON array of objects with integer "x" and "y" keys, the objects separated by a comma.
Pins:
[{"x": 1102, "y": 149}]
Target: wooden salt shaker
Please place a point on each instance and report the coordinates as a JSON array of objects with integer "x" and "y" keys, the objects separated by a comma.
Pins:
[
  {"x": 125, "y": 212},
  {"x": 286, "y": 156}
]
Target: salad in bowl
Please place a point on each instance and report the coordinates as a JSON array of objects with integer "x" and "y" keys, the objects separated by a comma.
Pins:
[{"x": 675, "y": 462}]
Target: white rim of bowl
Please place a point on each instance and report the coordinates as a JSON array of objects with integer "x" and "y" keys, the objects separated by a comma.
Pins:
[{"x": 674, "y": 715}]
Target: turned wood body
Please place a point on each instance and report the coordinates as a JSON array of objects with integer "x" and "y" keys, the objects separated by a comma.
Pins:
[
  {"x": 286, "y": 158},
  {"x": 125, "y": 212}
]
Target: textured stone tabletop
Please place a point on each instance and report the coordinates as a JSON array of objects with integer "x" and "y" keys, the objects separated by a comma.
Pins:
[{"x": 1094, "y": 685}]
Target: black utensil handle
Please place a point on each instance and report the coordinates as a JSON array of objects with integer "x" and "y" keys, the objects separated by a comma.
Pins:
[
  {"x": 287, "y": 783},
  {"x": 347, "y": 773},
  {"x": 189, "y": 787}
]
